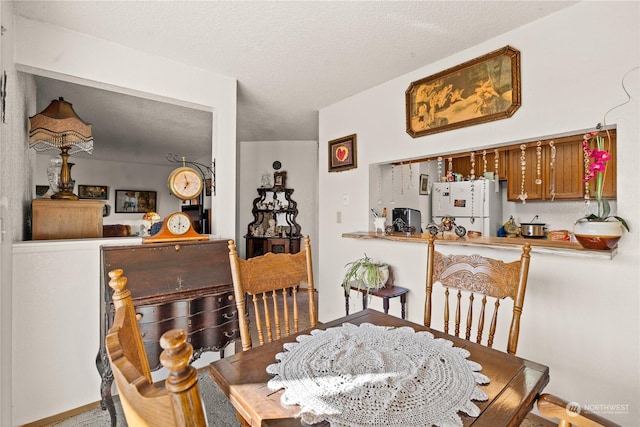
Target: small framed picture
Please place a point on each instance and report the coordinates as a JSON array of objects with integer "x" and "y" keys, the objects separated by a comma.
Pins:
[
  {"x": 41, "y": 190},
  {"x": 425, "y": 185},
  {"x": 342, "y": 154},
  {"x": 135, "y": 201},
  {"x": 280, "y": 179},
  {"x": 97, "y": 192}
]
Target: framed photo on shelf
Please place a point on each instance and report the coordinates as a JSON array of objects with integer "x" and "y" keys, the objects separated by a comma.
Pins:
[
  {"x": 135, "y": 201},
  {"x": 96, "y": 192},
  {"x": 484, "y": 89},
  {"x": 425, "y": 185},
  {"x": 280, "y": 179},
  {"x": 343, "y": 154}
]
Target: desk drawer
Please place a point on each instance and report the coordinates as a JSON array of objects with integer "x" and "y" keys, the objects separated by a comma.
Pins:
[{"x": 149, "y": 314}]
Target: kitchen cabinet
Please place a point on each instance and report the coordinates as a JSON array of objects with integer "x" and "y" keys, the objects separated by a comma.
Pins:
[
  {"x": 463, "y": 164},
  {"x": 284, "y": 237},
  {"x": 564, "y": 178}
]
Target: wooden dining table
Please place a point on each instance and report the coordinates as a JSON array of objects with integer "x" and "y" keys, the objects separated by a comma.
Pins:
[{"x": 514, "y": 382}]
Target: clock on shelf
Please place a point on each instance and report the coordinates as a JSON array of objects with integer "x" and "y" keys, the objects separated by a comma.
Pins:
[
  {"x": 175, "y": 227},
  {"x": 185, "y": 183}
]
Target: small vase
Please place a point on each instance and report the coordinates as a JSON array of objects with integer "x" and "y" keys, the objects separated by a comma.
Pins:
[{"x": 601, "y": 235}]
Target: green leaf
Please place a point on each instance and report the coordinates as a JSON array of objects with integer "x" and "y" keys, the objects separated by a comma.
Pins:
[
  {"x": 623, "y": 222},
  {"x": 606, "y": 208}
]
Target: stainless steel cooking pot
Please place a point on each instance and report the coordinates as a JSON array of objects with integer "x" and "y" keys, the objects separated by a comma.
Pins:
[{"x": 532, "y": 229}]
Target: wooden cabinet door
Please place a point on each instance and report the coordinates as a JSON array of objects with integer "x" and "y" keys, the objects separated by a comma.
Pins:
[
  {"x": 514, "y": 175},
  {"x": 567, "y": 175},
  {"x": 463, "y": 164}
]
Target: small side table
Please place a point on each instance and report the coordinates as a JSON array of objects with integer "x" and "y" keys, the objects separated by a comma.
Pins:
[{"x": 385, "y": 293}]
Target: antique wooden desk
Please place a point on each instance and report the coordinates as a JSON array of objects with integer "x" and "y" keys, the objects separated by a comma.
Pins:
[
  {"x": 514, "y": 382},
  {"x": 184, "y": 285}
]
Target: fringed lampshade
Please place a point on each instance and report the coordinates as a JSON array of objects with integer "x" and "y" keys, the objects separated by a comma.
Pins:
[{"x": 59, "y": 127}]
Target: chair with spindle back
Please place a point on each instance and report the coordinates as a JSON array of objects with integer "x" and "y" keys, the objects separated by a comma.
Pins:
[
  {"x": 474, "y": 274},
  {"x": 569, "y": 413},
  {"x": 272, "y": 282},
  {"x": 179, "y": 403}
]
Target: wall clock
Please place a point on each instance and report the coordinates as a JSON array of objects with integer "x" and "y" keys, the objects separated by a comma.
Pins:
[
  {"x": 185, "y": 183},
  {"x": 175, "y": 227}
]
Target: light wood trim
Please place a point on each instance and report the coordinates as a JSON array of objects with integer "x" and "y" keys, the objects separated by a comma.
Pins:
[{"x": 547, "y": 246}]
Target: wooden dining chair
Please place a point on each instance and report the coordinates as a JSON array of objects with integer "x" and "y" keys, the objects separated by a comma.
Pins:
[
  {"x": 476, "y": 275},
  {"x": 144, "y": 404},
  {"x": 272, "y": 282},
  {"x": 569, "y": 413}
]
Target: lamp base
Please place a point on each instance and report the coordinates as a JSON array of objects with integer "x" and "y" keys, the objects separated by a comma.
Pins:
[{"x": 65, "y": 195}]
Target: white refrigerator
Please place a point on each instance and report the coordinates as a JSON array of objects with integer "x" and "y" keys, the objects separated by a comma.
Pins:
[{"x": 475, "y": 205}]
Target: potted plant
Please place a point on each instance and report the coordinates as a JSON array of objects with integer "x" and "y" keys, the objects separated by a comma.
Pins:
[
  {"x": 597, "y": 230},
  {"x": 365, "y": 274}
]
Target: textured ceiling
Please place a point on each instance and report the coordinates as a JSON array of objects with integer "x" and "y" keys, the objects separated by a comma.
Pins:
[{"x": 290, "y": 58}]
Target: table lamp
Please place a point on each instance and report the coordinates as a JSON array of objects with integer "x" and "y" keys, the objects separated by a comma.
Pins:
[{"x": 59, "y": 127}]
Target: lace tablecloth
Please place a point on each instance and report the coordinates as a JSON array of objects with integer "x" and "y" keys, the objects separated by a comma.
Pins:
[{"x": 372, "y": 375}]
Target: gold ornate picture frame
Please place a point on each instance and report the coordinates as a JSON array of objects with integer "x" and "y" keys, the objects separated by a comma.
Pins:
[{"x": 484, "y": 89}]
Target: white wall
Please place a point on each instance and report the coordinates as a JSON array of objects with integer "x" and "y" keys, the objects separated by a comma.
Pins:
[
  {"x": 581, "y": 316},
  {"x": 42, "y": 49},
  {"x": 300, "y": 160}
]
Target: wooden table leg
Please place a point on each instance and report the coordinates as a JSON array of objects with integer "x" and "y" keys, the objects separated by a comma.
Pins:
[
  {"x": 364, "y": 301},
  {"x": 403, "y": 302},
  {"x": 346, "y": 303},
  {"x": 385, "y": 305}
]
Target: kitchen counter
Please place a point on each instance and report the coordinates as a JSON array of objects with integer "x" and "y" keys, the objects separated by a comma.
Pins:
[{"x": 564, "y": 248}]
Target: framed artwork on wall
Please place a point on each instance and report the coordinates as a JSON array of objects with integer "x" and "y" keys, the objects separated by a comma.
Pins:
[
  {"x": 343, "y": 154},
  {"x": 135, "y": 201},
  {"x": 425, "y": 185},
  {"x": 97, "y": 192},
  {"x": 478, "y": 91}
]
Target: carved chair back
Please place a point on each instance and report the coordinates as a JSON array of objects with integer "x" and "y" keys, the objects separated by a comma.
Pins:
[
  {"x": 473, "y": 275},
  {"x": 272, "y": 282},
  {"x": 179, "y": 403}
]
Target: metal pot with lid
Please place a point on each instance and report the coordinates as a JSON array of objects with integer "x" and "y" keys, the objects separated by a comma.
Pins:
[{"x": 532, "y": 229}]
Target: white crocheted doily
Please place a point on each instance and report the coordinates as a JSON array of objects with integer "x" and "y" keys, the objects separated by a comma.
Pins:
[{"x": 372, "y": 375}]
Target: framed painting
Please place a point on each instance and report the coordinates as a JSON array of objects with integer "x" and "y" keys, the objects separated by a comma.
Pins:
[
  {"x": 135, "y": 201},
  {"x": 41, "y": 190},
  {"x": 343, "y": 154},
  {"x": 97, "y": 192},
  {"x": 425, "y": 185},
  {"x": 478, "y": 91}
]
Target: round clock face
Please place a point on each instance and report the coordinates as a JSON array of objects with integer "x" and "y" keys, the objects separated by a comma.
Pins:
[
  {"x": 185, "y": 183},
  {"x": 179, "y": 223},
  {"x": 276, "y": 165}
]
